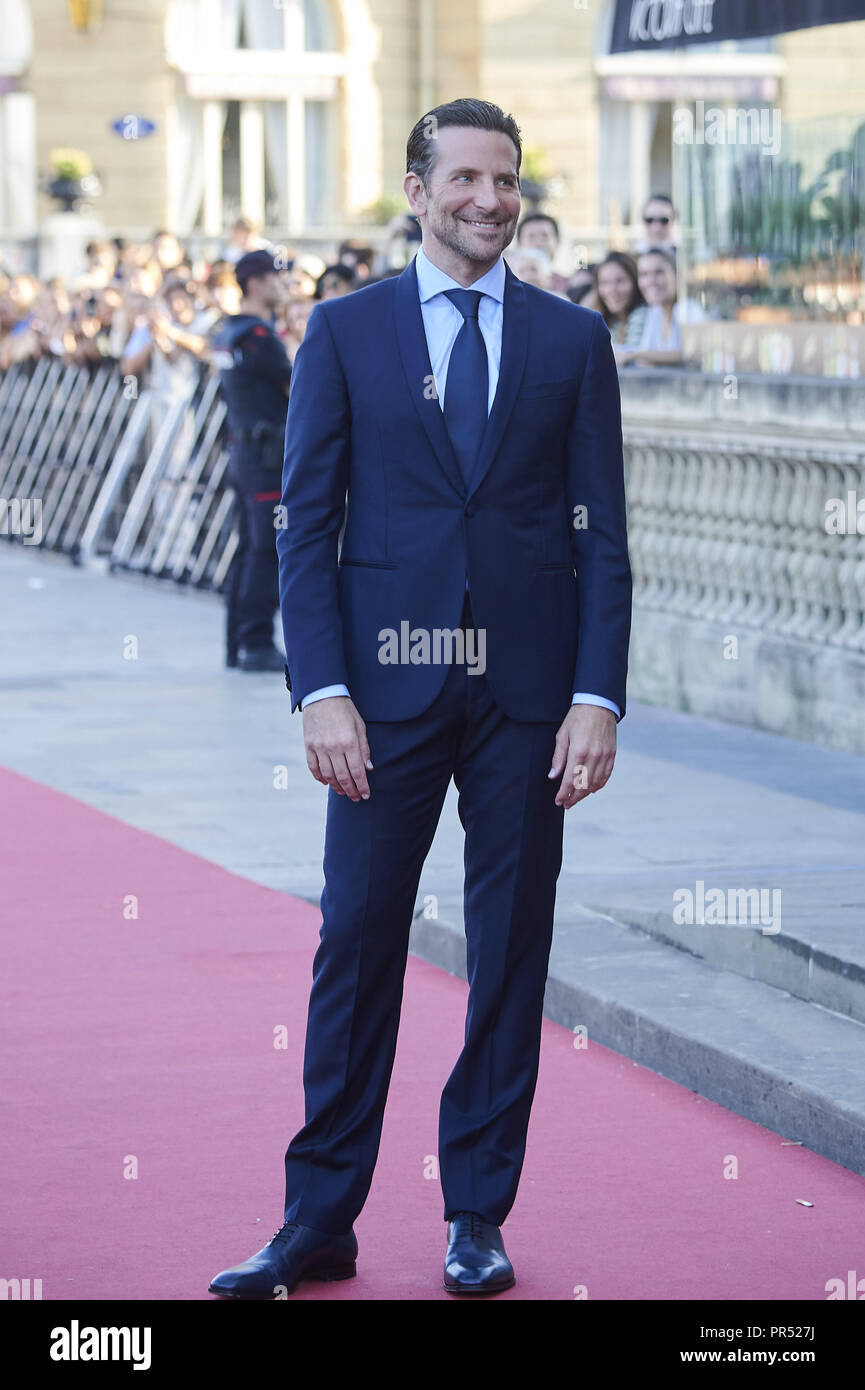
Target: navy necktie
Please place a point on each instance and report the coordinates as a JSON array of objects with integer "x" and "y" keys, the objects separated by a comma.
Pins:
[{"x": 467, "y": 384}]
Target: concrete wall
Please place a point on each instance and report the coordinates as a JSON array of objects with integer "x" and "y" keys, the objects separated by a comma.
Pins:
[
  {"x": 83, "y": 82},
  {"x": 536, "y": 62}
]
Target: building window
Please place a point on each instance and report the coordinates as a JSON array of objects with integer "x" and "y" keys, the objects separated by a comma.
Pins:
[{"x": 253, "y": 125}]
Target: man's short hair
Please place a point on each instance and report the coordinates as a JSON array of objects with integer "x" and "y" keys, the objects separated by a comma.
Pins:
[
  {"x": 538, "y": 217},
  {"x": 220, "y": 273},
  {"x": 666, "y": 255},
  {"x": 659, "y": 198},
  {"x": 420, "y": 150},
  {"x": 363, "y": 254},
  {"x": 338, "y": 271}
]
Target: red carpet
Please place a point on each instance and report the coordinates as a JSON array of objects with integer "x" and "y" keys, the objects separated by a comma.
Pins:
[{"x": 149, "y": 1040}]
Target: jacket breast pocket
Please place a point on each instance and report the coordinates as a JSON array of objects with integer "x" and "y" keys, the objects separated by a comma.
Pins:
[
  {"x": 537, "y": 390},
  {"x": 368, "y": 564}
]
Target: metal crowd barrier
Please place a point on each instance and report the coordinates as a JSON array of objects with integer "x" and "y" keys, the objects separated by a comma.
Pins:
[{"x": 118, "y": 473}]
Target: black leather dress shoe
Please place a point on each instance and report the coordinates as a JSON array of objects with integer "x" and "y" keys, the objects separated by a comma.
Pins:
[
  {"x": 295, "y": 1252},
  {"x": 476, "y": 1261},
  {"x": 261, "y": 659}
]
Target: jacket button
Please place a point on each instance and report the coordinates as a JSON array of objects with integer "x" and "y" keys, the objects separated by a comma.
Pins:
[{"x": 470, "y": 511}]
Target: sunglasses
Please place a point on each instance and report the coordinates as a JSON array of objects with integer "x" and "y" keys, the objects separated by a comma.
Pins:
[{"x": 663, "y": 220}]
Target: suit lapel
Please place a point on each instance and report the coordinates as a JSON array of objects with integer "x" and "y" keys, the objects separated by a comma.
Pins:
[
  {"x": 515, "y": 338},
  {"x": 419, "y": 375}
]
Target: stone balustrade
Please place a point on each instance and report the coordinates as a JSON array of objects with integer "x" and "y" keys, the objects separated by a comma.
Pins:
[{"x": 749, "y": 572}]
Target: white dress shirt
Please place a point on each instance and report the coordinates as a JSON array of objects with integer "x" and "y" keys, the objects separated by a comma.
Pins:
[{"x": 442, "y": 322}]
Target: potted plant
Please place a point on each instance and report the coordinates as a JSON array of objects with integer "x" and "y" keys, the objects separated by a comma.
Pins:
[{"x": 73, "y": 178}]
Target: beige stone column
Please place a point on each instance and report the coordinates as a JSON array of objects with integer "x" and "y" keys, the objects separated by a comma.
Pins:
[{"x": 252, "y": 159}]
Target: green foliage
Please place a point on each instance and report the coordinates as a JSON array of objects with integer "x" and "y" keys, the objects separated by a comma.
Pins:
[
  {"x": 776, "y": 212},
  {"x": 535, "y": 164},
  {"x": 71, "y": 164},
  {"x": 383, "y": 209}
]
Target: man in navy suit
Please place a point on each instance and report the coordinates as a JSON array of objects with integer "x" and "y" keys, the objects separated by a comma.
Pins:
[{"x": 464, "y": 428}]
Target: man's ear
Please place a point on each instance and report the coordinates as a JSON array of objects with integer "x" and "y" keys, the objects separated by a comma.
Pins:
[{"x": 415, "y": 192}]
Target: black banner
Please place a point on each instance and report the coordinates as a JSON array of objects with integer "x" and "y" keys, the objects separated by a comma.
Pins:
[{"x": 646, "y": 25}]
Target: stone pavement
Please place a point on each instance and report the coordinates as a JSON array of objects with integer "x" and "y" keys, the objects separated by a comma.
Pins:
[{"x": 765, "y": 1015}]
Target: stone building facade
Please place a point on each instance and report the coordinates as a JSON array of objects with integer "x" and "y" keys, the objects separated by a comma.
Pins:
[{"x": 296, "y": 111}]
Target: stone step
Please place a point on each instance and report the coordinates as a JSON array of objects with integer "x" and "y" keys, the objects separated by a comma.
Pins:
[
  {"x": 759, "y": 1050},
  {"x": 812, "y": 954}
]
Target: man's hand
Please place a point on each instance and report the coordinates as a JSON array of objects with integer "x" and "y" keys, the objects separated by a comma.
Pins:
[
  {"x": 337, "y": 752},
  {"x": 585, "y": 752}
]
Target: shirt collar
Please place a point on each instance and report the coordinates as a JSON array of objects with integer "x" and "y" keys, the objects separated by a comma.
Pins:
[{"x": 432, "y": 281}]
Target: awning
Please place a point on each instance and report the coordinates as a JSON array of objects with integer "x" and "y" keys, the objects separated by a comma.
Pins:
[{"x": 646, "y": 25}]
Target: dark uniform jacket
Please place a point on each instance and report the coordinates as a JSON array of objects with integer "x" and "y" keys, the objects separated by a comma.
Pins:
[{"x": 254, "y": 370}]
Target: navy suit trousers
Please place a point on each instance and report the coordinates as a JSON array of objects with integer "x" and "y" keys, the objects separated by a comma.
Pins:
[{"x": 373, "y": 857}]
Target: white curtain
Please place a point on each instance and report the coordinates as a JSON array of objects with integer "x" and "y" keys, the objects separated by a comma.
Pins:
[
  {"x": 187, "y": 163},
  {"x": 195, "y": 24},
  {"x": 264, "y": 22},
  {"x": 218, "y": 23},
  {"x": 319, "y": 126},
  {"x": 614, "y": 186},
  {"x": 319, "y": 26},
  {"x": 265, "y": 29},
  {"x": 276, "y": 152}
]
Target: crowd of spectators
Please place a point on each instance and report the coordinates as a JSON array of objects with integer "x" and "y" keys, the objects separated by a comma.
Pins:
[{"x": 150, "y": 307}]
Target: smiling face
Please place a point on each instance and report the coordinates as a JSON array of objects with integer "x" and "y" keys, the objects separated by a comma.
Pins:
[
  {"x": 657, "y": 280},
  {"x": 614, "y": 287},
  {"x": 469, "y": 213}
]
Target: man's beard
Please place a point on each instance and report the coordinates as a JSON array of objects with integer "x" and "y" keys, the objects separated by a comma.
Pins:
[{"x": 447, "y": 230}]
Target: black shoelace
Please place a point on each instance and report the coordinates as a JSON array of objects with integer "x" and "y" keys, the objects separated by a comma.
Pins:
[
  {"x": 285, "y": 1233},
  {"x": 476, "y": 1223}
]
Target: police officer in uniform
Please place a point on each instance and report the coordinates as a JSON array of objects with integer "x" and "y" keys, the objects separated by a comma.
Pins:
[{"x": 255, "y": 373}]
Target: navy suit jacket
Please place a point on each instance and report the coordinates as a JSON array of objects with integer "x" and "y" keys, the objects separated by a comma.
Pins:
[{"x": 366, "y": 447}]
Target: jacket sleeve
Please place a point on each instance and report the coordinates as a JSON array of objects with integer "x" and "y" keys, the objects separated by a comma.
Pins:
[
  {"x": 311, "y": 513},
  {"x": 597, "y": 516}
]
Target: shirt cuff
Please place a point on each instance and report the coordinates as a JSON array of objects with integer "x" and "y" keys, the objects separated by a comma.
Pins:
[
  {"x": 324, "y": 692},
  {"x": 582, "y": 699}
]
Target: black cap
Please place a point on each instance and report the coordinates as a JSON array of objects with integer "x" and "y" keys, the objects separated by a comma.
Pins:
[{"x": 254, "y": 263}]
